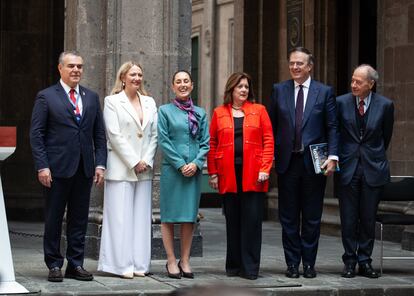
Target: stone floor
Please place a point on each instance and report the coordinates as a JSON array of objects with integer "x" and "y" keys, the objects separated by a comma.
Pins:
[{"x": 398, "y": 277}]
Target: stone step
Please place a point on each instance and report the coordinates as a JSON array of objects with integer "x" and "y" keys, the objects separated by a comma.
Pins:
[
  {"x": 330, "y": 224},
  {"x": 331, "y": 206},
  {"x": 269, "y": 290},
  {"x": 407, "y": 240}
]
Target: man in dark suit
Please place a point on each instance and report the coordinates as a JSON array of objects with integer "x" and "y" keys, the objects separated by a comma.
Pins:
[
  {"x": 69, "y": 149},
  {"x": 365, "y": 122},
  {"x": 303, "y": 112}
]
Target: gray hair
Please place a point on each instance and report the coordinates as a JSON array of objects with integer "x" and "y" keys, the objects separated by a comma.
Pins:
[
  {"x": 68, "y": 52},
  {"x": 372, "y": 74}
]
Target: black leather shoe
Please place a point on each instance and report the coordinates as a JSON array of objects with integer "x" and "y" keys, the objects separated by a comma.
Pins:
[
  {"x": 55, "y": 275},
  {"x": 366, "y": 270},
  {"x": 349, "y": 271},
  {"x": 172, "y": 275},
  {"x": 188, "y": 275},
  {"x": 232, "y": 273},
  {"x": 292, "y": 271},
  {"x": 251, "y": 277},
  {"x": 309, "y": 272},
  {"x": 78, "y": 273}
]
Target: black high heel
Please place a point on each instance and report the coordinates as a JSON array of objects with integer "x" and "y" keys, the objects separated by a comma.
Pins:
[
  {"x": 172, "y": 275},
  {"x": 188, "y": 275}
]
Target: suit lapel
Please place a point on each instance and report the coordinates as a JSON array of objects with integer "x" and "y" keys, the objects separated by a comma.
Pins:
[
  {"x": 85, "y": 103},
  {"x": 126, "y": 104},
  {"x": 145, "y": 111},
  {"x": 350, "y": 109},
  {"x": 373, "y": 109},
  {"x": 65, "y": 101},
  {"x": 310, "y": 102},
  {"x": 290, "y": 100}
]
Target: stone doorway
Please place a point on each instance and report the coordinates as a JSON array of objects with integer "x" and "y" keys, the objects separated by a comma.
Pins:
[
  {"x": 356, "y": 39},
  {"x": 31, "y": 38}
]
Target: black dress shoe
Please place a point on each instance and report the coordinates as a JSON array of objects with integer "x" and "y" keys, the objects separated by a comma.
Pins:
[
  {"x": 78, "y": 273},
  {"x": 55, "y": 275},
  {"x": 232, "y": 273},
  {"x": 251, "y": 277},
  {"x": 309, "y": 272},
  {"x": 188, "y": 275},
  {"x": 292, "y": 271},
  {"x": 172, "y": 275},
  {"x": 366, "y": 270},
  {"x": 349, "y": 271}
]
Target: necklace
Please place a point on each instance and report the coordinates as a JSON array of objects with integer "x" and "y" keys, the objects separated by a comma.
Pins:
[{"x": 236, "y": 108}]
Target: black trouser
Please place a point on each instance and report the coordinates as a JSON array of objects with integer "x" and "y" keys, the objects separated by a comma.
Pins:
[
  {"x": 358, "y": 204},
  {"x": 300, "y": 210},
  {"x": 244, "y": 216},
  {"x": 73, "y": 192}
]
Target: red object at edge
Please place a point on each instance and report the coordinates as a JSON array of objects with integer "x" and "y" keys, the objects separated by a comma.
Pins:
[{"x": 7, "y": 136}]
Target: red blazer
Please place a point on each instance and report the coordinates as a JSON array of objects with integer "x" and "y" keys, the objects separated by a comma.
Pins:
[{"x": 258, "y": 146}]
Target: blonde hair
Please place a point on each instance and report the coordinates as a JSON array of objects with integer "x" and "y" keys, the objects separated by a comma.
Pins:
[{"x": 123, "y": 70}]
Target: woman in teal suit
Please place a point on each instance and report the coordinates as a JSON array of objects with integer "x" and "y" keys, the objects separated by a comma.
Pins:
[{"x": 184, "y": 140}]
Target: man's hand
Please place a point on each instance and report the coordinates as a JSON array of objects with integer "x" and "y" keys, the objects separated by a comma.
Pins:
[
  {"x": 45, "y": 177},
  {"x": 329, "y": 167},
  {"x": 98, "y": 179}
]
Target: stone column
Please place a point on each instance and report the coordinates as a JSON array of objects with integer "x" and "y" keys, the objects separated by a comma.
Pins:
[
  {"x": 207, "y": 57},
  {"x": 156, "y": 34}
]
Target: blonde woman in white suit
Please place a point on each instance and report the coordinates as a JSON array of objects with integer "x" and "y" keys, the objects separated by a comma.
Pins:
[{"x": 131, "y": 127}]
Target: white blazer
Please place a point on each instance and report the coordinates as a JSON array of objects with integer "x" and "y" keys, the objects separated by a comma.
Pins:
[{"x": 128, "y": 141}]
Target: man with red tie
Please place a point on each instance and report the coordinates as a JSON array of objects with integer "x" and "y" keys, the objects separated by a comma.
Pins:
[
  {"x": 69, "y": 150},
  {"x": 365, "y": 122}
]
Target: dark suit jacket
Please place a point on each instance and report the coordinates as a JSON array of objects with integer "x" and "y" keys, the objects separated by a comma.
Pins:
[
  {"x": 370, "y": 150},
  {"x": 58, "y": 141},
  {"x": 319, "y": 121}
]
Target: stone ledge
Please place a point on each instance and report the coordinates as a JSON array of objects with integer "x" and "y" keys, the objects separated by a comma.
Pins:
[{"x": 407, "y": 240}]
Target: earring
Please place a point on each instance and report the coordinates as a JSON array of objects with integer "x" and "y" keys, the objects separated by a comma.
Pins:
[{"x": 123, "y": 84}]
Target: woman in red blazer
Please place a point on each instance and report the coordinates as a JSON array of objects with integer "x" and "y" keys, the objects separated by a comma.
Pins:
[{"x": 239, "y": 163}]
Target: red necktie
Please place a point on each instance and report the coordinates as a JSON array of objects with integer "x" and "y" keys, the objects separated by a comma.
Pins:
[
  {"x": 73, "y": 99},
  {"x": 361, "y": 107},
  {"x": 298, "y": 119}
]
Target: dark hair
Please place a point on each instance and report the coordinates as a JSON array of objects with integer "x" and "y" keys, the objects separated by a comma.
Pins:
[
  {"x": 232, "y": 82},
  {"x": 179, "y": 71},
  {"x": 311, "y": 59}
]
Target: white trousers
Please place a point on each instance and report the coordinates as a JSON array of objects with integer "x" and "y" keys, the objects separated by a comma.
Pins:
[{"x": 126, "y": 227}]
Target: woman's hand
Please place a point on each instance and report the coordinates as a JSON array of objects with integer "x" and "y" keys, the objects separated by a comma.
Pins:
[
  {"x": 213, "y": 181},
  {"x": 140, "y": 167},
  {"x": 262, "y": 177},
  {"x": 189, "y": 170}
]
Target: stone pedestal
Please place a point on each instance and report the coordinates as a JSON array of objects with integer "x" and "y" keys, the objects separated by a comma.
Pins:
[{"x": 158, "y": 251}]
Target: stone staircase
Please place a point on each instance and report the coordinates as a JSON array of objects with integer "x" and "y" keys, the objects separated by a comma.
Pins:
[{"x": 331, "y": 223}]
